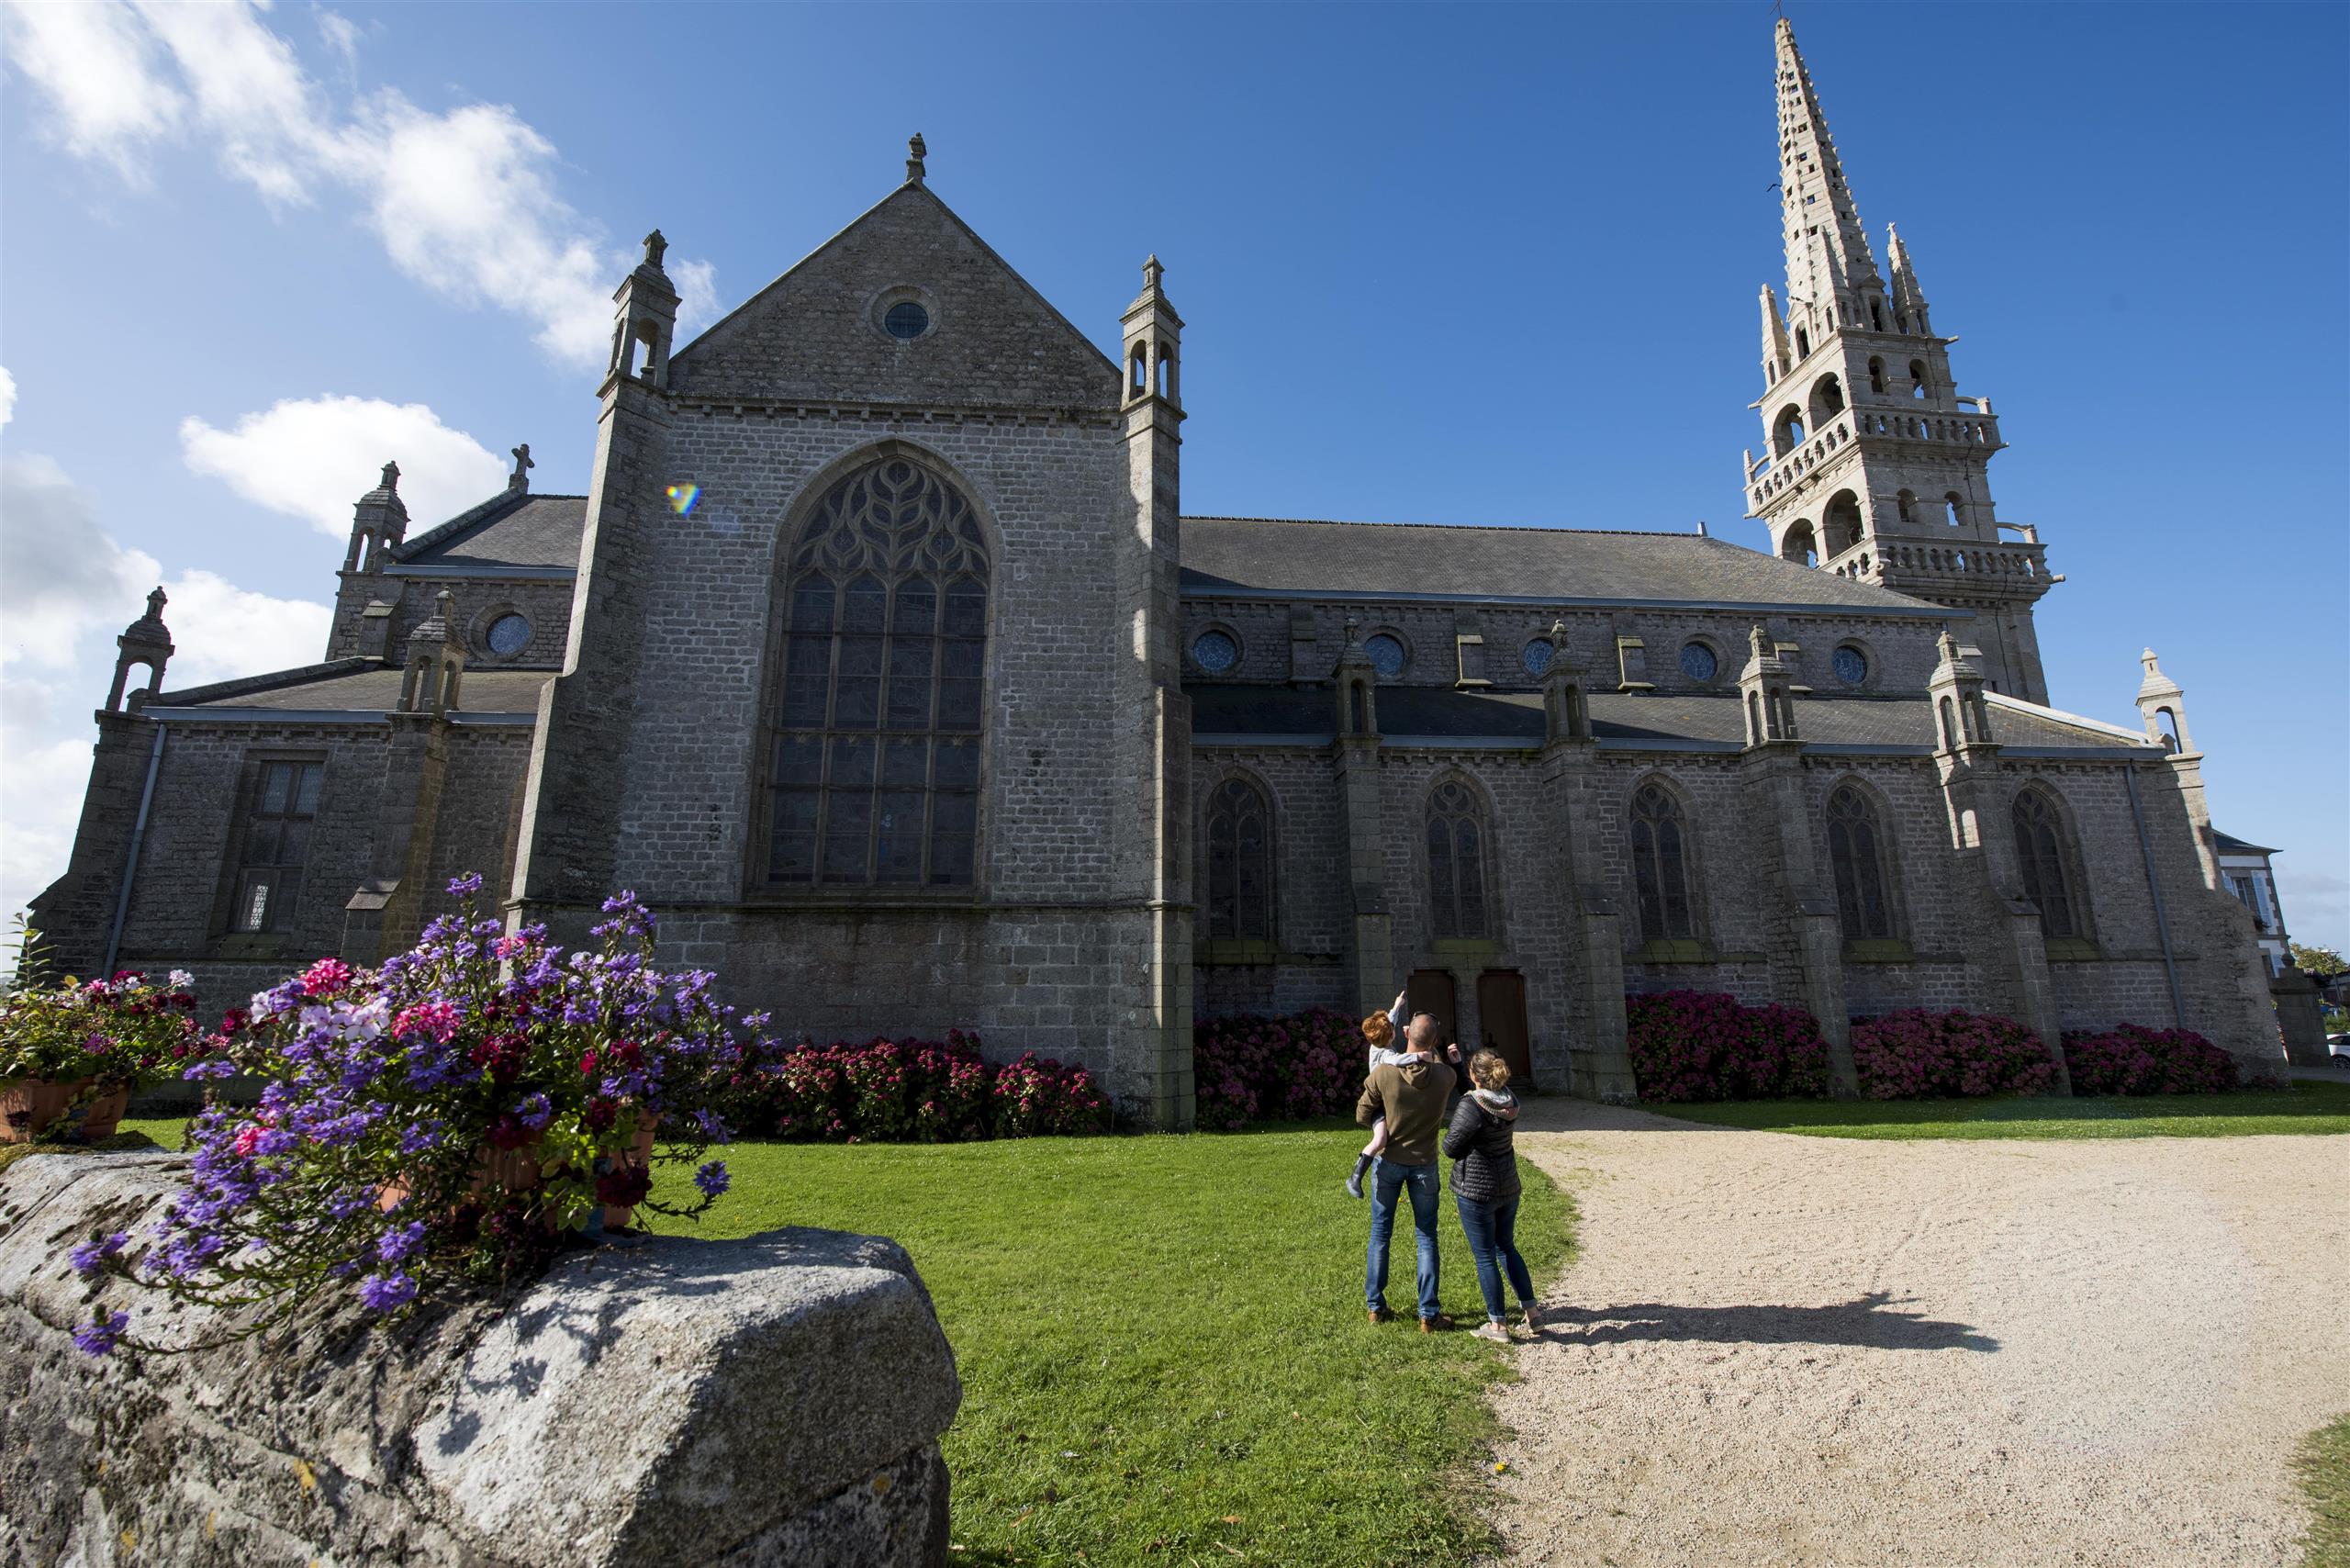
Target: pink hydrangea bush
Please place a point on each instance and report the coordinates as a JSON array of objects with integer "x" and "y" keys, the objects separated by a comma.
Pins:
[
  {"x": 1249, "y": 1067},
  {"x": 911, "y": 1091},
  {"x": 2130, "y": 1059},
  {"x": 1921, "y": 1055},
  {"x": 1688, "y": 1044}
]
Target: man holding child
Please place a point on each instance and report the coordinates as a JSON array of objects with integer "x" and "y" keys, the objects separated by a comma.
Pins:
[{"x": 1403, "y": 1103}]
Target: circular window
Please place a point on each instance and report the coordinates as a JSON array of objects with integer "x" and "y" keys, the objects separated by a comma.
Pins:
[
  {"x": 1215, "y": 652},
  {"x": 1850, "y": 664},
  {"x": 1697, "y": 662},
  {"x": 1386, "y": 654},
  {"x": 509, "y": 636},
  {"x": 906, "y": 319},
  {"x": 1537, "y": 656}
]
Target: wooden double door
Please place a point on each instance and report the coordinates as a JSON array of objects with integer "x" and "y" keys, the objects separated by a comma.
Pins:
[{"x": 1501, "y": 1013}]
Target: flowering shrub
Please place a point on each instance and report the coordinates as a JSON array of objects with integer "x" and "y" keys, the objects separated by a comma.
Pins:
[
  {"x": 2130, "y": 1059},
  {"x": 1249, "y": 1067},
  {"x": 122, "y": 1032},
  {"x": 1689, "y": 1045},
  {"x": 443, "y": 1118},
  {"x": 1918, "y": 1055},
  {"x": 909, "y": 1090}
]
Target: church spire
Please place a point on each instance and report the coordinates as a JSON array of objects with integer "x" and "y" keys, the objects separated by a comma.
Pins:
[
  {"x": 1908, "y": 298},
  {"x": 1776, "y": 360},
  {"x": 1829, "y": 260}
]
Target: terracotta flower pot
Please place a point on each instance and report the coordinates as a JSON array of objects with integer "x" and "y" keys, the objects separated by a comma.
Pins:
[
  {"x": 518, "y": 1170},
  {"x": 29, "y": 1105}
]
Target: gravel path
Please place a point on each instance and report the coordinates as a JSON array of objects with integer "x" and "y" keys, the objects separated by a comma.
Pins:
[{"x": 1775, "y": 1349}]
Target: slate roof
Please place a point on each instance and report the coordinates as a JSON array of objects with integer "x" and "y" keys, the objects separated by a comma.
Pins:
[
  {"x": 2229, "y": 844},
  {"x": 1708, "y": 720},
  {"x": 353, "y": 686},
  {"x": 1549, "y": 566},
  {"x": 514, "y": 528}
]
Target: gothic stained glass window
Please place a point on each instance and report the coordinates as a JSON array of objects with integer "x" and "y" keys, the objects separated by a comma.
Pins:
[
  {"x": 1537, "y": 656},
  {"x": 1850, "y": 664},
  {"x": 276, "y": 842},
  {"x": 1457, "y": 863},
  {"x": 1215, "y": 652},
  {"x": 509, "y": 636},
  {"x": 1386, "y": 654},
  {"x": 2040, "y": 851},
  {"x": 1697, "y": 662},
  {"x": 1240, "y": 862},
  {"x": 1855, "y": 852},
  {"x": 1660, "y": 870},
  {"x": 876, "y": 765}
]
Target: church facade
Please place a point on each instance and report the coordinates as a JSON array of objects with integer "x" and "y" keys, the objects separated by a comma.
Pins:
[{"x": 880, "y": 658}]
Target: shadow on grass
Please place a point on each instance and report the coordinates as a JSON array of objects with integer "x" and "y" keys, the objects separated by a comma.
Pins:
[{"x": 1872, "y": 1321}]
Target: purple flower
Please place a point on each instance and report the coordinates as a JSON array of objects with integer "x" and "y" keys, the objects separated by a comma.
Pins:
[
  {"x": 216, "y": 1068},
  {"x": 92, "y": 1256},
  {"x": 399, "y": 1241},
  {"x": 98, "y": 1336},
  {"x": 459, "y": 887},
  {"x": 713, "y": 1127},
  {"x": 383, "y": 1292},
  {"x": 713, "y": 1178},
  {"x": 535, "y": 1112}
]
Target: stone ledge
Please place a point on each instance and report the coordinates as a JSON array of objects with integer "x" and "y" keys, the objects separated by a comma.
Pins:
[{"x": 777, "y": 1398}]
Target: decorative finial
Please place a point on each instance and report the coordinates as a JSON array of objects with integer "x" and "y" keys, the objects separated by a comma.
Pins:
[
  {"x": 445, "y": 603},
  {"x": 655, "y": 247},
  {"x": 1151, "y": 273},
  {"x": 1947, "y": 646},
  {"x": 1760, "y": 640},
  {"x": 1354, "y": 630},
  {"x": 391, "y": 476},
  {"x": 155, "y": 602},
  {"x": 1558, "y": 633},
  {"x": 916, "y": 153},
  {"x": 520, "y": 478}
]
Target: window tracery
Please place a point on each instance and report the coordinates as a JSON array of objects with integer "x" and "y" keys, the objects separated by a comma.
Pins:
[{"x": 1456, "y": 837}]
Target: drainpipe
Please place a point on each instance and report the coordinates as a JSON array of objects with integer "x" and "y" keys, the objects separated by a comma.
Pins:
[
  {"x": 2154, "y": 886},
  {"x": 131, "y": 867}
]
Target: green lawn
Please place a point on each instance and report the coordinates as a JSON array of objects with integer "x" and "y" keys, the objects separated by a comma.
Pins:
[
  {"x": 2305, "y": 1107},
  {"x": 2324, "y": 1466},
  {"x": 1162, "y": 1343}
]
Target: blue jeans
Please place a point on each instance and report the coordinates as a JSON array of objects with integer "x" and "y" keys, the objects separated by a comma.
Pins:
[
  {"x": 1421, "y": 1180},
  {"x": 1492, "y": 1237}
]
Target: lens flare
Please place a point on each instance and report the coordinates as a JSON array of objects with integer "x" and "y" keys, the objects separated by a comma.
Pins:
[{"x": 683, "y": 496}]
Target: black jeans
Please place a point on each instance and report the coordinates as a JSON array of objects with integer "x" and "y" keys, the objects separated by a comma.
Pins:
[{"x": 1492, "y": 1237}]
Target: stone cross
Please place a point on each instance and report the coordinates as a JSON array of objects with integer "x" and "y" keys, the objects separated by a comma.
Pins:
[
  {"x": 916, "y": 153},
  {"x": 520, "y": 478}
]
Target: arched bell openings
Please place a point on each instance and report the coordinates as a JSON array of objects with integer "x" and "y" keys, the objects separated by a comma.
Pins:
[
  {"x": 1858, "y": 860},
  {"x": 2044, "y": 859},
  {"x": 1842, "y": 524},
  {"x": 1459, "y": 847},
  {"x": 1239, "y": 835},
  {"x": 1786, "y": 430},
  {"x": 877, "y": 717},
  {"x": 1798, "y": 545},
  {"x": 1826, "y": 401},
  {"x": 1659, "y": 836},
  {"x": 1918, "y": 378},
  {"x": 1876, "y": 374}
]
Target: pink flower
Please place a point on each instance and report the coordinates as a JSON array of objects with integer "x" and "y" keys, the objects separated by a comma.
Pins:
[{"x": 325, "y": 978}]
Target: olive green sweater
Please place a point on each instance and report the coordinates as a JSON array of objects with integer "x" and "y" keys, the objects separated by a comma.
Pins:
[{"x": 1412, "y": 1096}]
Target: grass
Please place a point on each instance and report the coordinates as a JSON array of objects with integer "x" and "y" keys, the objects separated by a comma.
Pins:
[
  {"x": 1162, "y": 1343},
  {"x": 2304, "y": 1107},
  {"x": 2323, "y": 1464}
]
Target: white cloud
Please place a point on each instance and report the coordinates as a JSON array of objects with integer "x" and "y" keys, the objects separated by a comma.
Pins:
[
  {"x": 342, "y": 36},
  {"x": 66, "y": 587},
  {"x": 465, "y": 203},
  {"x": 7, "y": 396},
  {"x": 313, "y": 457}
]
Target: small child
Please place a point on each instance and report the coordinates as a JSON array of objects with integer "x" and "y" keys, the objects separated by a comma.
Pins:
[{"x": 1381, "y": 1029}]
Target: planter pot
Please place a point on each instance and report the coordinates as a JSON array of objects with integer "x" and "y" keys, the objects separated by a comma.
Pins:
[
  {"x": 518, "y": 1170},
  {"x": 32, "y": 1106}
]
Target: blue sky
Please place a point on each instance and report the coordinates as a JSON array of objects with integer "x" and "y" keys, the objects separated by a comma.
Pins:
[{"x": 1447, "y": 265}]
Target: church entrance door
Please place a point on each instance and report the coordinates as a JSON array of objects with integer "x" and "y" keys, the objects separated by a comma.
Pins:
[
  {"x": 1430, "y": 992},
  {"x": 1500, "y": 1009}
]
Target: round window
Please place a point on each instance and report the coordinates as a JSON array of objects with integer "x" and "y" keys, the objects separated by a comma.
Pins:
[
  {"x": 907, "y": 319},
  {"x": 1850, "y": 664},
  {"x": 509, "y": 636},
  {"x": 1537, "y": 656},
  {"x": 1697, "y": 662},
  {"x": 1215, "y": 652},
  {"x": 1386, "y": 654}
]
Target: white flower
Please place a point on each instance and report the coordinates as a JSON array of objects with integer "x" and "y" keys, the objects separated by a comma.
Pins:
[{"x": 182, "y": 979}]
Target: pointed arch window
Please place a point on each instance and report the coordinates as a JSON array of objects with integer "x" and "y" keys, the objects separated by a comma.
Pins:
[
  {"x": 1240, "y": 862},
  {"x": 1856, "y": 853},
  {"x": 1659, "y": 868},
  {"x": 1457, "y": 902},
  {"x": 2040, "y": 852},
  {"x": 875, "y": 768}
]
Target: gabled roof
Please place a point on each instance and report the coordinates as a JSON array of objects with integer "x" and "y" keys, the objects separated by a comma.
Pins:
[
  {"x": 514, "y": 528},
  {"x": 993, "y": 339},
  {"x": 356, "y": 686},
  {"x": 1286, "y": 556}
]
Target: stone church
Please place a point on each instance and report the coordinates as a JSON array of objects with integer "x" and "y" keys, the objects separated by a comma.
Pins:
[{"x": 882, "y": 659}]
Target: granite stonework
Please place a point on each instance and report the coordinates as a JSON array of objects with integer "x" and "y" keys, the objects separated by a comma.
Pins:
[
  {"x": 1138, "y": 665},
  {"x": 771, "y": 1400}
]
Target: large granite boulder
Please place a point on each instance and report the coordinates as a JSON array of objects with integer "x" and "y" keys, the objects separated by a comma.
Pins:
[{"x": 768, "y": 1401}]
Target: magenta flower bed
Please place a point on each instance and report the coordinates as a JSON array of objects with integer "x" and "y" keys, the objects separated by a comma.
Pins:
[
  {"x": 1918, "y": 1055},
  {"x": 1688, "y": 1044},
  {"x": 2130, "y": 1059},
  {"x": 1249, "y": 1067},
  {"x": 912, "y": 1091}
]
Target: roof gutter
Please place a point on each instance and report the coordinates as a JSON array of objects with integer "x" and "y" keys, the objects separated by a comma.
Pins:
[{"x": 131, "y": 867}]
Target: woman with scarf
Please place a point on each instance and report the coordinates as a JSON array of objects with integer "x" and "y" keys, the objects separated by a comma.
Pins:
[{"x": 1485, "y": 1189}]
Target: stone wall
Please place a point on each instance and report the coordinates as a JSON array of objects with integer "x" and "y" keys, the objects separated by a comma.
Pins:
[{"x": 775, "y": 1400}]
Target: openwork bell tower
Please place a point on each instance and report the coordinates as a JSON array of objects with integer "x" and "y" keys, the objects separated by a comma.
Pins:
[{"x": 1874, "y": 466}]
